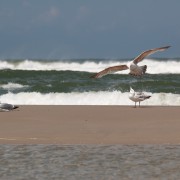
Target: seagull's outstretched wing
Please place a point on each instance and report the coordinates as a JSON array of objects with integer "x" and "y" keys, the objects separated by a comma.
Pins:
[
  {"x": 148, "y": 52},
  {"x": 109, "y": 70}
]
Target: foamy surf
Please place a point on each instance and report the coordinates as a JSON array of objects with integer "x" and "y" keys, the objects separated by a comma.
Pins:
[
  {"x": 12, "y": 86},
  {"x": 154, "y": 66},
  {"x": 87, "y": 98}
]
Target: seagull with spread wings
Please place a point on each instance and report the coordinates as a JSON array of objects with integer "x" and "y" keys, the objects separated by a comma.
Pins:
[{"x": 133, "y": 67}]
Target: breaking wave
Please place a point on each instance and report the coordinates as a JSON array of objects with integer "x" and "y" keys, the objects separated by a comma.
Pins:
[
  {"x": 87, "y": 98},
  {"x": 12, "y": 86},
  {"x": 154, "y": 66}
]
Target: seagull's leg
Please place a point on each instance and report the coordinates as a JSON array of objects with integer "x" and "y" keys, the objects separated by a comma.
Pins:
[
  {"x": 141, "y": 83},
  {"x": 139, "y": 103},
  {"x": 135, "y": 105}
]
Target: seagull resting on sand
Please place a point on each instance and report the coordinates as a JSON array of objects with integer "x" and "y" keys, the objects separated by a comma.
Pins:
[
  {"x": 132, "y": 65},
  {"x": 7, "y": 107},
  {"x": 137, "y": 96}
]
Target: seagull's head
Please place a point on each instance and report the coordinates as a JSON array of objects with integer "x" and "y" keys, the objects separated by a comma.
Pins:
[{"x": 131, "y": 90}]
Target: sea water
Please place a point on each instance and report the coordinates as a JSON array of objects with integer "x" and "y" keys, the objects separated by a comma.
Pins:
[
  {"x": 89, "y": 162},
  {"x": 68, "y": 82}
]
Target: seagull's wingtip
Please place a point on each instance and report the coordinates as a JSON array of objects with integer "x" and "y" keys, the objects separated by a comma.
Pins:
[
  {"x": 93, "y": 76},
  {"x": 166, "y": 47}
]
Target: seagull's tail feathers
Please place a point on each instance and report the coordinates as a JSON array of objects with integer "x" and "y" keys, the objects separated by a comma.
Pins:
[
  {"x": 15, "y": 107},
  {"x": 141, "y": 71},
  {"x": 143, "y": 68},
  {"x": 147, "y": 97}
]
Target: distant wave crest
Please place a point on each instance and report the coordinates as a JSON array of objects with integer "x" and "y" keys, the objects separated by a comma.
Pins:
[
  {"x": 12, "y": 86},
  {"x": 154, "y": 66}
]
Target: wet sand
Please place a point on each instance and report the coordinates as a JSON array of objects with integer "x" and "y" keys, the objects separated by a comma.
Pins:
[{"x": 90, "y": 125}]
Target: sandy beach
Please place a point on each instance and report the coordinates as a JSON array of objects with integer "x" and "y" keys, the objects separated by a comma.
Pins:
[{"x": 90, "y": 125}]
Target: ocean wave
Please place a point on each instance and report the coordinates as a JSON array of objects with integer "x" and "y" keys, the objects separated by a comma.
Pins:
[
  {"x": 87, "y": 98},
  {"x": 154, "y": 66},
  {"x": 12, "y": 86}
]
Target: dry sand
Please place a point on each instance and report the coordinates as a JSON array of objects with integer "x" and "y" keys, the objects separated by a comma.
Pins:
[{"x": 90, "y": 125}]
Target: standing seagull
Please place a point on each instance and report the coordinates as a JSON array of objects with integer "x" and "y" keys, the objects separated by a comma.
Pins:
[
  {"x": 137, "y": 96},
  {"x": 132, "y": 65},
  {"x": 7, "y": 107}
]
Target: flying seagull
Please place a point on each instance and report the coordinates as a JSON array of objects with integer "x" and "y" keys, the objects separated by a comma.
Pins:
[
  {"x": 133, "y": 67},
  {"x": 7, "y": 107},
  {"x": 137, "y": 96}
]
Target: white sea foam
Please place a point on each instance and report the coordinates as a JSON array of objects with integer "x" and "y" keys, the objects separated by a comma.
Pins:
[
  {"x": 12, "y": 86},
  {"x": 87, "y": 98},
  {"x": 154, "y": 66}
]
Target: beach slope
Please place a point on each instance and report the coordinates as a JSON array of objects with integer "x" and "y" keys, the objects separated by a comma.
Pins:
[{"x": 90, "y": 125}]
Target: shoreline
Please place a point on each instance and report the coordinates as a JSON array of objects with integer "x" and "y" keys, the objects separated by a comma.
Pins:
[{"x": 89, "y": 124}]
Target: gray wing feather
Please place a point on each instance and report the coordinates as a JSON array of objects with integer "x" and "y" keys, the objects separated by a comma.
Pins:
[
  {"x": 109, "y": 70},
  {"x": 148, "y": 52}
]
